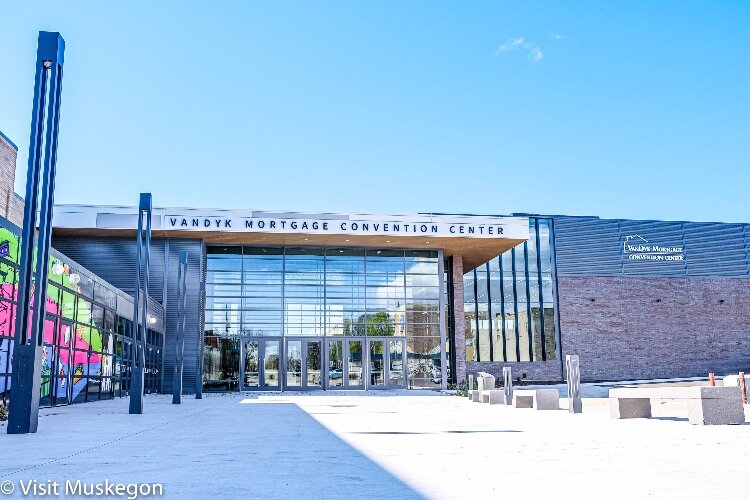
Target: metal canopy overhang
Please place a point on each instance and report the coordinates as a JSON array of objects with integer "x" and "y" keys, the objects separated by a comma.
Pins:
[
  {"x": 477, "y": 239},
  {"x": 475, "y": 251}
]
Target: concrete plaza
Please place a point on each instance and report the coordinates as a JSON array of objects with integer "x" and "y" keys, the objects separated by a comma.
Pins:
[{"x": 403, "y": 444}]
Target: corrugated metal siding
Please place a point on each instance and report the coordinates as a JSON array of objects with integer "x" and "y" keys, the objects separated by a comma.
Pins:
[
  {"x": 595, "y": 247},
  {"x": 193, "y": 313},
  {"x": 114, "y": 260}
]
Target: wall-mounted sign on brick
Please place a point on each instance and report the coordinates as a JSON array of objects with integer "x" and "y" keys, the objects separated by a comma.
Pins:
[{"x": 637, "y": 247}]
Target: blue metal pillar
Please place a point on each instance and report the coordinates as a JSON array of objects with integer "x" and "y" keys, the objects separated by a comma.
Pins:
[
  {"x": 180, "y": 342},
  {"x": 199, "y": 363},
  {"x": 140, "y": 305},
  {"x": 40, "y": 183}
]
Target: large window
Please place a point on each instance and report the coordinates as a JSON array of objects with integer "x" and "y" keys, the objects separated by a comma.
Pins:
[
  {"x": 317, "y": 292},
  {"x": 85, "y": 345},
  {"x": 509, "y": 302}
]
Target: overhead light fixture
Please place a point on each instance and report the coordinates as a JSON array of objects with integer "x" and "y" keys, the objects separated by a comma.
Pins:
[{"x": 387, "y": 241}]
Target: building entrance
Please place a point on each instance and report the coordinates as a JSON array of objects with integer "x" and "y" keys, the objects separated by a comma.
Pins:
[{"x": 313, "y": 363}]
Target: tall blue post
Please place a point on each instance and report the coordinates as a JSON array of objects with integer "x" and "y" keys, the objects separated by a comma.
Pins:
[
  {"x": 199, "y": 361},
  {"x": 40, "y": 193},
  {"x": 180, "y": 343},
  {"x": 140, "y": 305}
]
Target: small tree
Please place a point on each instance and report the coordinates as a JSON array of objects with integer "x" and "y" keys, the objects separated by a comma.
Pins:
[{"x": 380, "y": 325}]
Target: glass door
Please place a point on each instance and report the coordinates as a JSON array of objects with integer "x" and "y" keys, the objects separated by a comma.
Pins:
[
  {"x": 396, "y": 362},
  {"x": 251, "y": 364},
  {"x": 304, "y": 364},
  {"x": 353, "y": 367},
  {"x": 335, "y": 364},
  {"x": 345, "y": 363},
  {"x": 261, "y": 363},
  {"x": 377, "y": 356},
  {"x": 387, "y": 369},
  {"x": 313, "y": 378},
  {"x": 62, "y": 361},
  {"x": 294, "y": 364}
]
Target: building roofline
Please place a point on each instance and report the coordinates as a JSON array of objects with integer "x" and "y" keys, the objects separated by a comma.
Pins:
[{"x": 7, "y": 139}]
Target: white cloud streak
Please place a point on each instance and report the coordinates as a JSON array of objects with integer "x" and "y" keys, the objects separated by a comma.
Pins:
[{"x": 533, "y": 52}]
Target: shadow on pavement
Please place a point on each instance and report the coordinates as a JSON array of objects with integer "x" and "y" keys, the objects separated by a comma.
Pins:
[{"x": 284, "y": 441}]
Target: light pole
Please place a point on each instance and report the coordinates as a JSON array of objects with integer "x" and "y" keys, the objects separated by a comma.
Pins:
[
  {"x": 180, "y": 343},
  {"x": 40, "y": 183},
  {"x": 140, "y": 305}
]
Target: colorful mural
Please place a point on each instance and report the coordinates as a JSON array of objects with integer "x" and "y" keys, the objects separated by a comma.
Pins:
[{"x": 78, "y": 338}]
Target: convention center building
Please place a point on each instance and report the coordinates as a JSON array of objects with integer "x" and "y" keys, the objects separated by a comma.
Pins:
[{"x": 284, "y": 301}]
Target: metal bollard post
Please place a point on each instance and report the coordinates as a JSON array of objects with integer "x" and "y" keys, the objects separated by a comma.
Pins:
[
  {"x": 711, "y": 379},
  {"x": 572, "y": 367},
  {"x": 507, "y": 386},
  {"x": 743, "y": 388}
]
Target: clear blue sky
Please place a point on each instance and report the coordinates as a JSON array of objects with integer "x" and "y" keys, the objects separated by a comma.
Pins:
[{"x": 635, "y": 109}]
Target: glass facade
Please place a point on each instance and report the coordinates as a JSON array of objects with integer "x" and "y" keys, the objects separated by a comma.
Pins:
[
  {"x": 352, "y": 294},
  {"x": 510, "y": 303},
  {"x": 86, "y": 345}
]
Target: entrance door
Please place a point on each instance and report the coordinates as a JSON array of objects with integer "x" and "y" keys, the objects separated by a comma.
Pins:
[
  {"x": 346, "y": 363},
  {"x": 261, "y": 363},
  {"x": 304, "y": 363},
  {"x": 386, "y": 363}
]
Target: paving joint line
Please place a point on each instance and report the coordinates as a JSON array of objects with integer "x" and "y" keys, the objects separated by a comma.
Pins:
[{"x": 104, "y": 444}]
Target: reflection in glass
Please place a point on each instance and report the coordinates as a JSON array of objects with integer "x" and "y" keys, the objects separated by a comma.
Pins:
[
  {"x": 396, "y": 362},
  {"x": 423, "y": 362},
  {"x": 335, "y": 363},
  {"x": 251, "y": 364},
  {"x": 313, "y": 364},
  {"x": 271, "y": 363},
  {"x": 355, "y": 362},
  {"x": 319, "y": 292},
  {"x": 522, "y": 310},
  {"x": 377, "y": 366},
  {"x": 220, "y": 361},
  {"x": 294, "y": 363}
]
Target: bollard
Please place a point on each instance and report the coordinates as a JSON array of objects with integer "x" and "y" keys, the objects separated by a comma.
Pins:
[
  {"x": 743, "y": 388},
  {"x": 711, "y": 379},
  {"x": 507, "y": 386},
  {"x": 572, "y": 368}
]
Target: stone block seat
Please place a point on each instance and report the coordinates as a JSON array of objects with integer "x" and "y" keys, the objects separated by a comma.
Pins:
[
  {"x": 493, "y": 396},
  {"x": 706, "y": 405},
  {"x": 539, "y": 399}
]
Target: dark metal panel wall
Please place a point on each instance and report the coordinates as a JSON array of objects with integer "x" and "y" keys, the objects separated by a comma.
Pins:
[
  {"x": 587, "y": 246},
  {"x": 193, "y": 312},
  {"x": 114, "y": 260}
]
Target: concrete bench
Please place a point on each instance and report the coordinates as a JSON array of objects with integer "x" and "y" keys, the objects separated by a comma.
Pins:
[
  {"x": 734, "y": 381},
  {"x": 706, "y": 405},
  {"x": 475, "y": 396},
  {"x": 493, "y": 396},
  {"x": 540, "y": 399}
]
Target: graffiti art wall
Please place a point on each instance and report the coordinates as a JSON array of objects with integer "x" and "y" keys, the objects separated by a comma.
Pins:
[{"x": 87, "y": 346}]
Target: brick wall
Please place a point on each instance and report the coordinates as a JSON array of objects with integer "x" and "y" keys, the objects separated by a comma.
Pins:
[
  {"x": 637, "y": 328},
  {"x": 458, "y": 316},
  {"x": 531, "y": 371},
  {"x": 11, "y": 206}
]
